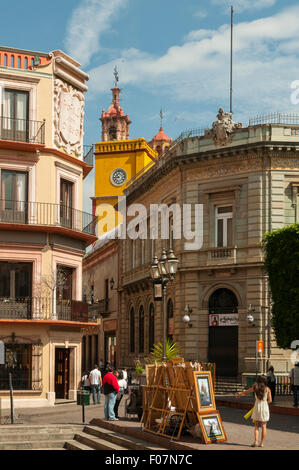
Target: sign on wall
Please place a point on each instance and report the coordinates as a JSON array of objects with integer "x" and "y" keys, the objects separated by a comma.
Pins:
[{"x": 224, "y": 319}]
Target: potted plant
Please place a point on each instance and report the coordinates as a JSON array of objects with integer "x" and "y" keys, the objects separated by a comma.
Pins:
[
  {"x": 172, "y": 351},
  {"x": 139, "y": 371}
]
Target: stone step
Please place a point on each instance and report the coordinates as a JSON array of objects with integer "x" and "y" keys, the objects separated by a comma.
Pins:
[
  {"x": 229, "y": 389},
  {"x": 96, "y": 443},
  {"x": 128, "y": 442},
  {"x": 37, "y": 436},
  {"x": 23, "y": 429},
  {"x": 32, "y": 445},
  {"x": 24, "y": 437},
  {"x": 76, "y": 445}
]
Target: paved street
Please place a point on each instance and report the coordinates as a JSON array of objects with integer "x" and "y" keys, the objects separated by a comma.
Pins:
[{"x": 283, "y": 430}]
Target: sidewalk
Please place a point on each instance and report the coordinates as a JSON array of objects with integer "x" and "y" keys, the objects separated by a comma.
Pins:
[{"x": 283, "y": 434}]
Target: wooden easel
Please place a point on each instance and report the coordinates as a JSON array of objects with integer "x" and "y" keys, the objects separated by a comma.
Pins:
[{"x": 169, "y": 386}]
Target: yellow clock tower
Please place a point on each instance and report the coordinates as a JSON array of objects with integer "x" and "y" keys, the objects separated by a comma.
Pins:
[{"x": 117, "y": 160}]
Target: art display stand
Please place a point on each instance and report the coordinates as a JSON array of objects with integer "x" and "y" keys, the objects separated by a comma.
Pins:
[{"x": 173, "y": 401}]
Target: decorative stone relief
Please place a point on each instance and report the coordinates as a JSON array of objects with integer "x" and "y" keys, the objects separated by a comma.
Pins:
[
  {"x": 225, "y": 169},
  {"x": 223, "y": 129},
  {"x": 68, "y": 117},
  {"x": 285, "y": 163}
]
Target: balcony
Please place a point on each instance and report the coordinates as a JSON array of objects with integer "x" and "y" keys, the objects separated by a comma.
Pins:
[
  {"x": 99, "y": 308},
  {"x": 22, "y": 130},
  {"x": 223, "y": 255},
  {"x": 47, "y": 215},
  {"x": 43, "y": 308}
]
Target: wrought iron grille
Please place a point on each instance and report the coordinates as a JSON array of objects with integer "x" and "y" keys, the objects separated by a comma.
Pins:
[
  {"x": 18, "y": 363},
  {"x": 43, "y": 308},
  {"x": 22, "y": 130},
  {"x": 275, "y": 118},
  {"x": 44, "y": 213}
]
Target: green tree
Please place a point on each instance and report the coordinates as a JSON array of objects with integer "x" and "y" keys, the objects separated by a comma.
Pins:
[{"x": 282, "y": 265}]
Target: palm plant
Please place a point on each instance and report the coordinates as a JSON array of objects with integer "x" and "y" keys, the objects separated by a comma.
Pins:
[{"x": 172, "y": 351}]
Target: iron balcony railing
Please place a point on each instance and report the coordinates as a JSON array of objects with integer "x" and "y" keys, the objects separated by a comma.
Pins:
[
  {"x": 275, "y": 118},
  {"x": 48, "y": 214},
  {"x": 22, "y": 130},
  {"x": 43, "y": 308},
  {"x": 100, "y": 307}
]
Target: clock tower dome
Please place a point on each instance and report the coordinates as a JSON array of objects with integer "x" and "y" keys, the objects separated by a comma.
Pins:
[{"x": 118, "y": 159}]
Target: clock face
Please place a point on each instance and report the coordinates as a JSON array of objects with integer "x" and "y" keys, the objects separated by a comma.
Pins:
[{"x": 118, "y": 177}]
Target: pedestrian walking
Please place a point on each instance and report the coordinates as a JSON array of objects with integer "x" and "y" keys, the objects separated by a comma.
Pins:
[
  {"x": 294, "y": 376},
  {"x": 95, "y": 379},
  {"x": 260, "y": 414},
  {"x": 111, "y": 389},
  {"x": 271, "y": 381},
  {"x": 86, "y": 382},
  {"x": 125, "y": 377},
  {"x": 122, "y": 383}
]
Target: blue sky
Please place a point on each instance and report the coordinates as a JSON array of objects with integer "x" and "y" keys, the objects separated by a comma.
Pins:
[{"x": 171, "y": 54}]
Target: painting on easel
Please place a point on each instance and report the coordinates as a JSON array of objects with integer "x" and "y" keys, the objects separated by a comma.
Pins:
[{"x": 204, "y": 391}]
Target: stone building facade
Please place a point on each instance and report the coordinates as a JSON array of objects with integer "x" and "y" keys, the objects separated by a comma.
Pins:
[
  {"x": 43, "y": 231},
  {"x": 247, "y": 180},
  {"x": 100, "y": 290}
]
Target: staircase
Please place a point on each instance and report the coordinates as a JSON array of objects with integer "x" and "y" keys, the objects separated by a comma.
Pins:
[
  {"x": 227, "y": 386},
  {"x": 37, "y": 437},
  {"x": 68, "y": 437},
  {"x": 97, "y": 438}
]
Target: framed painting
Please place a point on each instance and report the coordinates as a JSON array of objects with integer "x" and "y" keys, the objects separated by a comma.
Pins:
[
  {"x": 212, "y": 428},
  {"x": 204, "y": 391}
]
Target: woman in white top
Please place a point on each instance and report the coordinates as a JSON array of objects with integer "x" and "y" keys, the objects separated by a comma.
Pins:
[
  {"x": 260, "y": 414},
  {"x": 122, "y": 387}
]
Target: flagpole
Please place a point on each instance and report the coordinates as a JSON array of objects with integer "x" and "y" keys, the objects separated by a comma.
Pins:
[{"x": 231, "y": 60}]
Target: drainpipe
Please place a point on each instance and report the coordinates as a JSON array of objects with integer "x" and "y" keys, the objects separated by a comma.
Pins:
[{"x": 268, "y": 313}]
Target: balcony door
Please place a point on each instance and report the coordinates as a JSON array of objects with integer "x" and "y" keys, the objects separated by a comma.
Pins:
[
  {"x": 64, "y": 294},
  {"x": 14, "y": 196},
  {"x": 15, "y": 290},
  {"x": 66, "y": 203},
  {"x": 14, "y": 115},
  {"x": 62, "y": 372}
]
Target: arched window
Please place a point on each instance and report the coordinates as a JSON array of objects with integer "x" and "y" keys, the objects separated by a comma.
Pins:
[
  {"x": 132, "y": 330},
  {"x": 223, "y": 301},
  {"x": 151, "y": 326},
  {"x": 112, "y": 133},
  {"x": 170, "y": 319},
  {"x": 141, "y": 329}
]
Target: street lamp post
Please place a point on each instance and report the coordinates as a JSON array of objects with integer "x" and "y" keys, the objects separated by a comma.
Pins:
[{"x": 162, "y": 271}]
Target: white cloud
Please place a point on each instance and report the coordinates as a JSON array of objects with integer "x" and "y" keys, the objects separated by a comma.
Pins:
[
  {"x": 198, "y": 70},
  {"x": 87, "y": 24},
  {"x": 200, "y": 14},
  {"x": 243, "y": 5}
]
